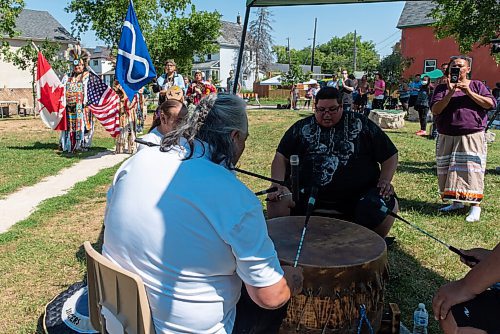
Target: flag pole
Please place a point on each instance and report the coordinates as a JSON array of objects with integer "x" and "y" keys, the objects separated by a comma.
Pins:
[{"x": 36, "y": 47}]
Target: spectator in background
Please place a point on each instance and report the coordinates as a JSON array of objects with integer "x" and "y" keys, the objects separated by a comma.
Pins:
[
  {"x": 230, "y": 83},
  {"x": 199, "y": 89},
  {"x": 346, "y": 86},
  {"x": 422, "y": 105},
  {"x": 496, "y": 91},
  {"x": 310, "y": 94},
  {"x": 461, "y": 111},
  {"x": 171, "y": 112},
  {"x": 379, "y": 92},
  {"x": 363, "y": 89},
  {"x": 404, "y": 94},
  {"x": 334, "y": 81},
  {"x": 168, "y": 79},
  {"x": 414, "y": 89},
  {"x": 187, "y": 83}
]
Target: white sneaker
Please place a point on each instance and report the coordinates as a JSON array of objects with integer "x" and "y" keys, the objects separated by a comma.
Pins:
[
  {"x": 474, "y": 214},
  {"x": 452, "y": 207}
]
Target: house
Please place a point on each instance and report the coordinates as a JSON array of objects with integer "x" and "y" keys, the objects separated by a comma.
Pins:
[
  {"x": 102, "y": 63},
  {"x": 16, "y": 92},
  {"x": 428, "y": 52},
  {"x": 36, "y": 26},
  {"x": 217, "y": 65},
  {"x": 277, "y": 68}
]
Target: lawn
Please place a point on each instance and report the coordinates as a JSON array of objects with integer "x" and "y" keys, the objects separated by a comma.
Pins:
[
  {"x": 29, "y": 152},
  {"x": 42, "y": 255}
]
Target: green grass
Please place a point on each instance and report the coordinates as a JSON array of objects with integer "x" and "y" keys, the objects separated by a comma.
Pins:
[
  {"x": 29, "y": 152},
  {"x": 42, "y": 255}
]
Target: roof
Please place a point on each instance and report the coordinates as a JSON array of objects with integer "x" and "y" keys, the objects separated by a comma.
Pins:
[
  {"x": 99, "y": 52},
  {"x": 416, "y": 14},
  {"x": 269, "y": 3},
  {"x": 207, "y": 65},
  {"x": 230, "y": 34},
  {"x": 277, "y": 67},
  {"x": 41, "y": 25}
]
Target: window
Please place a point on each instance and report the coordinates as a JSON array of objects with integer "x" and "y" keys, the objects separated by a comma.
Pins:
[
  {"x": 215, "y": 76},
  {"x": 95, "y": 62},
  {"x": 430, "y": 65},
  {"x": 209, "y": 56}
]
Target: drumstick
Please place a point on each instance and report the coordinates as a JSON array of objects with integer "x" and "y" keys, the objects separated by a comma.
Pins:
[
  {"x": 147, "y": 143},
  {"x": 267, "y": 191},
  {"x": 310, "y": 208},
  {"x": 455, "y": 250},
  {"x": 281, "y": 183}
]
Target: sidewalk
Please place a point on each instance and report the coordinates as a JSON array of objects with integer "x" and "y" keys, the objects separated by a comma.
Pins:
[{"x": 21, "y": 204}]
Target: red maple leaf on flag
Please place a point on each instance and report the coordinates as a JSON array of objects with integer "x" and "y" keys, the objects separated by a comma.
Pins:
[{"x": 51, "y": 100}]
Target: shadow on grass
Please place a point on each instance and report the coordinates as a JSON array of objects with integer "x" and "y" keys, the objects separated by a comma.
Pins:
[
  {"x": 416, "y": 167},
  {"x": 36, "y": 146},
  {"x": 409, "y": 284},
  {"x": 80, "y": 253},
  {"x": 428, "y": 208}
]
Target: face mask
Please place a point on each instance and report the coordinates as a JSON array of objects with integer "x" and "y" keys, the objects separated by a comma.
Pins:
[{"x": 424, "y": 82}]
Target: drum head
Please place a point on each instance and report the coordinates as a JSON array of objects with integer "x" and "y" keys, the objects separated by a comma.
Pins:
[{"x": 328, "y": 242}]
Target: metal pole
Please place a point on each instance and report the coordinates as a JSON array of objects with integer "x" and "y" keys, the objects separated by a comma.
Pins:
[
  {"x": 242, "y": 49},
  {"x": 355, "y": 50},
  {"x": 314, "y": 44},
  {"x": 289, "y": 60}
]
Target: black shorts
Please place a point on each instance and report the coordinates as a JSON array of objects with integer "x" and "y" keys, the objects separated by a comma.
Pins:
[
  {"x": 412, "y": 100},
  {"x": 482, "y": 312}
]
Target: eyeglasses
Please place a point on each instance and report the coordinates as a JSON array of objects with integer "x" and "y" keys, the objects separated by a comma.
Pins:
[
  {"x": 328, "y": 110},
  {"x": 170, "y": 65},
  {"x": 344, "y": 72}
]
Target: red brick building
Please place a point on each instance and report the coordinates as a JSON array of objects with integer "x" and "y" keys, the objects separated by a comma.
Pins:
[{"x": 418, "y": 42}]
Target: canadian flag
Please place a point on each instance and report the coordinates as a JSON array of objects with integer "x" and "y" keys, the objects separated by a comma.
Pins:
[{"x": 51, "y": 97}]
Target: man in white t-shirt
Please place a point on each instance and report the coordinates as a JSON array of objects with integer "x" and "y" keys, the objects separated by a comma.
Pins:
[{"x": 179, "y": 218}]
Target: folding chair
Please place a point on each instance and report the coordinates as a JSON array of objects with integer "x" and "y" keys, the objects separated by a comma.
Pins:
[{"x": 117, "y": 298}]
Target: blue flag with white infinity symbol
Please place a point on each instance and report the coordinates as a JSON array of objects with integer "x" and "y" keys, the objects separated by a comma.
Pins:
[{"x": 134, "y": 67}]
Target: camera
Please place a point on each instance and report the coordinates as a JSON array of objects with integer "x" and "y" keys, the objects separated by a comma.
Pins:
[{"x": 454, "y": 74}]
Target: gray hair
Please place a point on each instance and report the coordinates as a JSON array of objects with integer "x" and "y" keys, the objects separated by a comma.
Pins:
[{"x": 212, "y": 122}]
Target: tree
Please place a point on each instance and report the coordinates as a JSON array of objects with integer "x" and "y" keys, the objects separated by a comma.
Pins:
[
  {"x": 261, "y": 40},
  {"x": 392, "y": 67},
  {"x": 334, "y": 55},
  {"x": 169, "y": 32},
  {"x": 9, "y": 11},
  {"x": 467, "y": 21},
  {"x": 294, "y": 75}
]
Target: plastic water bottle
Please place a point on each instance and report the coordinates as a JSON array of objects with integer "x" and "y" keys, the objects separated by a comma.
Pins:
[{"x": 420, "y": 320}]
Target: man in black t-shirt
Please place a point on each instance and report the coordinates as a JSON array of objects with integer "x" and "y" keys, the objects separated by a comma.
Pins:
[{"x": 344, "y": 155}]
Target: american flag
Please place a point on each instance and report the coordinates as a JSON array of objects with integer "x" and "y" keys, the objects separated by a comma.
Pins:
[{"x": 104, "y": 104}]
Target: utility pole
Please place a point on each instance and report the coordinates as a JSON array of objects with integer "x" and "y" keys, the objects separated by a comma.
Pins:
[
  {"x": 355, "y": 50},
  {"x": 289, "y": 59},
  {"x": 314, "y": 44}
]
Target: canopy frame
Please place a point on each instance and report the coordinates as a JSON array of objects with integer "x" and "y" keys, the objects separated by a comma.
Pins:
[{"x": 276, "y": 3}]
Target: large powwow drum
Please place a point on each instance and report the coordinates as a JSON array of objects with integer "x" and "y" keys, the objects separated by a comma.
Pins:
[{"x": 345, "y": 269}]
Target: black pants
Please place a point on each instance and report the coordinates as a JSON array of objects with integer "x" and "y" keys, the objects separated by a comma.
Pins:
[
  {"x": 252, "y": 319},
  {"x": 378, "y": 104},
  {"x": 422, "y": 115}
]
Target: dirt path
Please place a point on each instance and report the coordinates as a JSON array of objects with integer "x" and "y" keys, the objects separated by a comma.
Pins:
[{"x": 19, "y": 205}]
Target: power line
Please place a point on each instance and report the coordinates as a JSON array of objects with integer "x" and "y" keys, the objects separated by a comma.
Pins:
[
  {"x": 385, "y": 39},
  {"x": 386, "y": 45}
]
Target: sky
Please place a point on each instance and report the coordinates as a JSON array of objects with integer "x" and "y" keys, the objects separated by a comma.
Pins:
[{"x": 373, "y": 21}]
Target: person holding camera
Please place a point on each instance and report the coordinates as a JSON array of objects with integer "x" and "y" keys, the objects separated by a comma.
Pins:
[{"x": 461, "y": 110}]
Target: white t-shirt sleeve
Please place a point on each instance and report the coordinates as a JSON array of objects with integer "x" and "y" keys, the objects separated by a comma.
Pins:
[{"x": 257, "y": 262}]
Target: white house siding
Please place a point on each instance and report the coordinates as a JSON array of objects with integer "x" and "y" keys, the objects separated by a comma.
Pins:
[
  {"x": 13, "y": 77},
  {"x": 229, "y": 61}
]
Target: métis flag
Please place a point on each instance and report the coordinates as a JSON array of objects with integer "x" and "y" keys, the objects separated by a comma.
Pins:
[
  {"x": 50, "y": 95},
  {"x": 104, "y": 104},
  {"x": 134, "y": 67}
]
